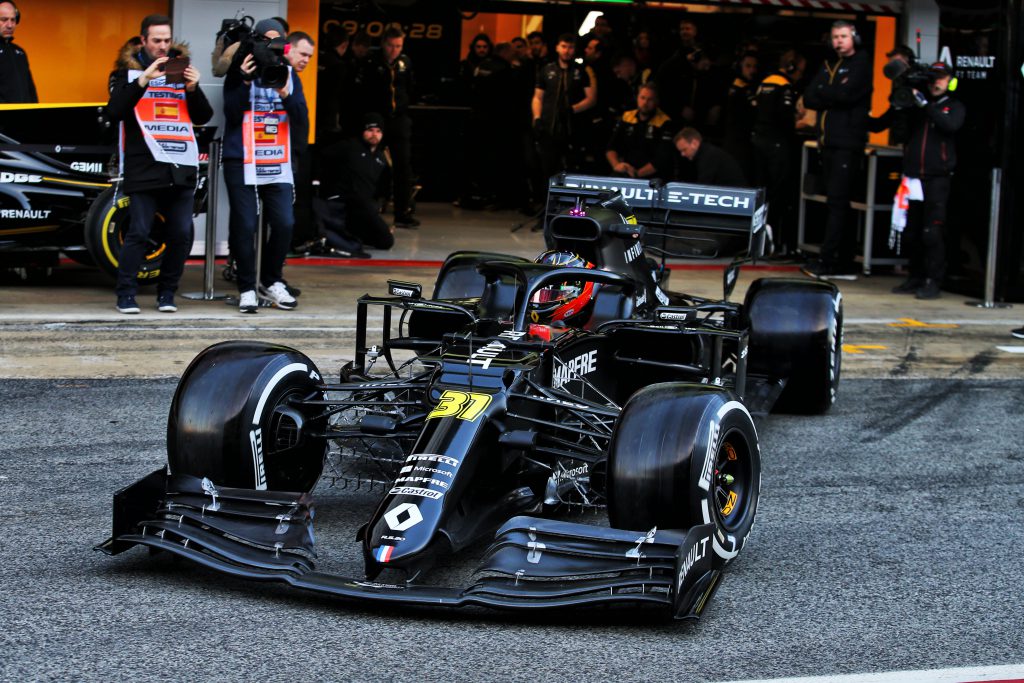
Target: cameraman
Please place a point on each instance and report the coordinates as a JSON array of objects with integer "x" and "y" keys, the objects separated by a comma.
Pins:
[
  {"x": 258, "y": 118},
  {"x": 160, "y": 157},
  {"x": 841, "y": 94},
  {"x": 896, "y": 118},
  {"x": 930, "y": 156}
]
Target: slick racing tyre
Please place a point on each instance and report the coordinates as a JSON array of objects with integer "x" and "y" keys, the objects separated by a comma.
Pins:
[
  {"x": 106, "y": 224},
  {"x": 682, "y": 455},
  {"x": 796, "y": 335},
  {"x": 233, "y": 418}
]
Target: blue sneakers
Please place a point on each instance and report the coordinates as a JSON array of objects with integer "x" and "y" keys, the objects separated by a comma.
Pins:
[
  {"x": 126, "y": 304},
  {"x": 165, "y": 302}
]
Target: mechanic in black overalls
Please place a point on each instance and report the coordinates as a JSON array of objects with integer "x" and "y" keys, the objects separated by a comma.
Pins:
[
  {"x": 841, "y": 94},
  {"x": 711, "y": 165},
  {"x": 739, "y": 115},
  {"x": 777, "y": 147},
  {"x": 563, "y": 91},
  {"x": 356, "y": 172},
  {"x": 16, "y": 84},
  {"x": 390, "y": 92},
  {"x": 641, "y": 142}
]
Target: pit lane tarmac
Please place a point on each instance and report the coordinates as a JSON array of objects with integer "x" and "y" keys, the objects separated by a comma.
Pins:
[
  {"x": 69, "y": 328},
  {"x": 887, "y": 539}
]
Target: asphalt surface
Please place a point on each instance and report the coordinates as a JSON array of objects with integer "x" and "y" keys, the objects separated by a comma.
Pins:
[{"x": 887, "y": 538}]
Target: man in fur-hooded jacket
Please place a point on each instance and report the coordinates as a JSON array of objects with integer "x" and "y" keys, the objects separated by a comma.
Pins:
[{"x": 159, "y": 156}]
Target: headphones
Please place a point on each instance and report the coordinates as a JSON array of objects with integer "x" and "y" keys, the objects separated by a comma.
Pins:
[
  {"x": 843, "y": 23},
  {"x": 17, "y": 12}
]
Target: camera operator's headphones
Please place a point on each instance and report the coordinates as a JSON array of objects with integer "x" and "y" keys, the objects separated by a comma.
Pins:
[
  {"x": 843, "y": 23},
  {"x": 17, "y": 12}
]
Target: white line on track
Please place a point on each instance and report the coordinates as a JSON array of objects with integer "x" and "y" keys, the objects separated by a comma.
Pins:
[
  {"x": 58, "y": 320},
  {"x": 888, "y": 321},
  {"x": 1011, "y": 349},
  {"x": 205, "y": 328},
  {"x": 1013, "y": 672},
  {"x": 73, "y": 319}
]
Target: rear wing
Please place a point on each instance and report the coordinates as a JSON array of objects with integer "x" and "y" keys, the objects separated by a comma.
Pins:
[{"x": 682, "y": 220}]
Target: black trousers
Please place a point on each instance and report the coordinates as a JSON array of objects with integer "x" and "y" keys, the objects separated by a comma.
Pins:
[
  {"x": 363, "y": 219},
  {"x": 777, "y": 169},
  {"x": 302, "y": 170},
  {"x": 840, "y": 170},
  {"x": 175, "y": 204},
  {"x": 923, "y": 237},
  {"x": 398, "y": 138},
  {"x": 243, "y": 225}
]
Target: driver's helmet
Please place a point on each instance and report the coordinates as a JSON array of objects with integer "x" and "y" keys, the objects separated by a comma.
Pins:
[{"x": 569, "y": 302}]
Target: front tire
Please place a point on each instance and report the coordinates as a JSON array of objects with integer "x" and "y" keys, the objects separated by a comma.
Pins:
[
  {"x": 106, "y": 225},
  {"x": 233, "y": 418},
  {"x": 683, "y": 455}
]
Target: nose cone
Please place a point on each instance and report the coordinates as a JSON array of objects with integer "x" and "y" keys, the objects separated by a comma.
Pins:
[{"x": 407, "y": 521}]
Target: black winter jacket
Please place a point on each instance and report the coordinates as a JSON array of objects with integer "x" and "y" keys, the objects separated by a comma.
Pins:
[
  {"x": 715, "y": 166},
  {"x": 841, "y": 94},
  {"x": 775, "y": 107},
  {"x": 141, "y": 171},
  {"x": 931, "y": 149},
  {"x": 16, "y": 84}
]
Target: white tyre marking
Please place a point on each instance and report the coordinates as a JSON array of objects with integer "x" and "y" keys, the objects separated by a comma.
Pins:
[{"x": 278, "y": 376}]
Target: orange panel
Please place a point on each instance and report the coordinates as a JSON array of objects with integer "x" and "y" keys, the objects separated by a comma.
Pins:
[
  {"x": 304, "y": 15},
  {"x": 500, "y": 27},
  {"x": 885, "y": 41},
  {"x": 72, "y": 44}
]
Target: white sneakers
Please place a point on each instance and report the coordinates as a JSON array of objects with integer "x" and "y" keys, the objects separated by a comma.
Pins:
[
  {"x": 277, "y": 294},
  {"x": 247, "y": 302}
]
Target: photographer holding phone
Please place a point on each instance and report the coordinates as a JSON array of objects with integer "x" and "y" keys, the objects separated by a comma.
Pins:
[{"x": 156, "y": 107}]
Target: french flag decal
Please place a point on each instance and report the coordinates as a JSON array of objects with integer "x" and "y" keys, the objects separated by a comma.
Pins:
[{"x": 383, "y": 553}]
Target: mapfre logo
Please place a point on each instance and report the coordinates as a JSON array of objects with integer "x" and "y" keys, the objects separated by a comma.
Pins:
[{"x": 6, "y": 177}]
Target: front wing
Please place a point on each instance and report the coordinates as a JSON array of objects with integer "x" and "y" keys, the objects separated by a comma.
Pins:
[{"x": 533, "y": 563}]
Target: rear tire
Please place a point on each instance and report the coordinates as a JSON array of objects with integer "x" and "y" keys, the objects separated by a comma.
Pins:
[
  {"x": 683, "y": 455},
  {"x": 106, "y": 224},
  {"x": 232, "y": 419},
  {"x": 796, "y": 334}
]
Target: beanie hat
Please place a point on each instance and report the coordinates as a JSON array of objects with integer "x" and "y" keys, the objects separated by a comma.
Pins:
[{"x": 264, "y": 25}]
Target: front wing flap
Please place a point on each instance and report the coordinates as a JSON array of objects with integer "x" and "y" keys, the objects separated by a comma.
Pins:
[{"x": 532, "y": 564}]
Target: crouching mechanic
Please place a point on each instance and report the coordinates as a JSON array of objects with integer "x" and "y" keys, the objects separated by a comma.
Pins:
[
  {"x": 358, "y": 175},
  {"x": 159, "y": 157},
  {"x": 257, "y": 165}
]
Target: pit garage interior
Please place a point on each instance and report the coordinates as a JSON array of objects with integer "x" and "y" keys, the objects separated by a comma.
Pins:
[{"x": 981, "y": 39}]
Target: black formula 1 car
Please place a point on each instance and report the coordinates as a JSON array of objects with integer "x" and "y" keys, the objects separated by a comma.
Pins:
[
  {"x": 62, "y": 196},
  {"x": 519, "y": 389}
]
